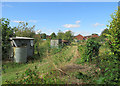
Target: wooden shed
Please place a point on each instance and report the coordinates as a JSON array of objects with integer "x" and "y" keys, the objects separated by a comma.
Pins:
[
  {"x": 56, "y": 42},
  {"x": 17, "y": 42}
]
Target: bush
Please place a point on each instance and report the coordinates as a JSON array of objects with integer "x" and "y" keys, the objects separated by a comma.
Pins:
[
  {"x": 7, "y": 32},
  {"x": 110, "y": 68},
  {"x": 41, "y": 47},
  {"x": 56, "y": 50},
  {"x": 90, "y": 50},
  {"x": 81, "y": 49}
]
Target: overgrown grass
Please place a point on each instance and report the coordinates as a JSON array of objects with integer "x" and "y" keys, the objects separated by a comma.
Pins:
[
  {"x": 106, "y": 61},
  {"x": 43, "y": 66}
]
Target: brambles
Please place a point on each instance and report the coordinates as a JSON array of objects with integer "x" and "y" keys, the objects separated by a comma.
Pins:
[
  {"x": 89, "y": 51},
  {"x": 33, "y": 77},
  {"x": 92, "y": 49},
  {"x": 114, "y": 36}
]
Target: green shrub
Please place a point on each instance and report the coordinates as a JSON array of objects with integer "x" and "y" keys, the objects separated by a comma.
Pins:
[
  {"x": 55, "y": 50},
  {"x": 41, "y": 48},
  {"x": 92, "y": 49},
  {"x": 114, "y": 36},
  {"x": 89, "y": 51},
  {"x": 7, "y": 32},
  {"x": 81, "y": 49},
  {"x": 110, "y": 63}
]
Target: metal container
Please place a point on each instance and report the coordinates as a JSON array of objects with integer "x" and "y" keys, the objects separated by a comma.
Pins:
[{"x": 20, "y": 54}]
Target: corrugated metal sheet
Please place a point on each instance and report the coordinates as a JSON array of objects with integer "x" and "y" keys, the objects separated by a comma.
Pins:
[{"x": 20, "y": 54}]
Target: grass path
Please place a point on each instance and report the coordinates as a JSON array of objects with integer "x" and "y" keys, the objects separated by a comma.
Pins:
[
  {"x": 71, "y": 69},
  {"x": 43, "y": 66},
  {"x": 62, "y": 61}
]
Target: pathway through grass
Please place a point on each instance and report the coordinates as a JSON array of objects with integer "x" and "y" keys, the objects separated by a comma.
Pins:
[{"x": 61, "y": 62}]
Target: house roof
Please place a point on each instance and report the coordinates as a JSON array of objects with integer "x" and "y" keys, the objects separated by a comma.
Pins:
[
  {"x": 79, "y": 37},
  {"x": 12, "y": 38},
  {"x": 95, "y": 35},
  {"x": 87, "y": 36}
]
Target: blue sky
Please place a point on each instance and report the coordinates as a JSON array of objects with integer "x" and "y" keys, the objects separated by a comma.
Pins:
[{"x": 82, "y": 18}]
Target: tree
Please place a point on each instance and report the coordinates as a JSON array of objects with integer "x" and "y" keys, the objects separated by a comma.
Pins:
[
  {"x": 114, "y": 43},
  {"x": 68, "y": 36},
  {"x": 105, "y": 31},
  {"x": 60, "y": 35},
  {"x": 7, "y": 32},
  {"x": 24, "y": 31},
  {"x": 53, "y": 35},
  {"x": 94, "y": 34},
  {"x": 43, "y": 36},
  {"x": 114, "y": 36}
]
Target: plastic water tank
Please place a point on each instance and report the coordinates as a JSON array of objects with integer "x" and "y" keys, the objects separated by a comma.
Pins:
[{"x": 20, "y": 54}]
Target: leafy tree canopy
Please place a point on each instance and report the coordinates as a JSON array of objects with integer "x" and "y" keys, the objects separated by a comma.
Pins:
[
  {"x": 60, "y": 35},
  {"x": 53, "y": 36},
  {"x": 43, "y": 36},
  {"x": 24, "y": 31},
  {"x": 114, "y": 36},
  {"x": 7, "y": 32},
  {"x": 68, "y": 35}
]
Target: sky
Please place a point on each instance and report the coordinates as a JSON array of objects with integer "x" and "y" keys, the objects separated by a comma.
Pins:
[{"x": 82, "y": 18}]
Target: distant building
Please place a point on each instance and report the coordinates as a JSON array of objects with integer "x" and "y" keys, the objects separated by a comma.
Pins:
[
  {"x": 78, "y": 38},
  {"x": 95, "y": 35},
  {"x": 65, "y": 42},
  {"x": 55, "y": 42},
  {"x": 59, "y": 42},
  {"x": 48, "y": 37},
  {"x": 86, "y": 37},
  {"x": 91, "y": 36}
]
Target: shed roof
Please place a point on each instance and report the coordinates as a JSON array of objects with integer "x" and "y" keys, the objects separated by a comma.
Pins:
[
  {"x": 26, "y": 38},
  {"x": 64, "y": 40}
]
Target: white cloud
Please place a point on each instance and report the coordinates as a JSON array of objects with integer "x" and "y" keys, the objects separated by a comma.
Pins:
[
  {"x": 66, "y": 31},
  {"x": 33, "y": 21},
  {"x": 71, "y": 25},
  {"x": 16, "y": 21},
  {"x": 77, "y": 22},
  {"x": 97, "y": 24}
]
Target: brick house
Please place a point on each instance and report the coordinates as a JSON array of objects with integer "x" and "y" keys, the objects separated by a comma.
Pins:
[
  {"x": 91, "y": 36},
  {"x": 47, "y": 36},
  {"x": 78, "y": 37},
  {"x": 86, "y": 37}
]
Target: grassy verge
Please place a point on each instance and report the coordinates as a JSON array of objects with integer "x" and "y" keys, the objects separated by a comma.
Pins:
[{"x": 11, "y": 70}]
